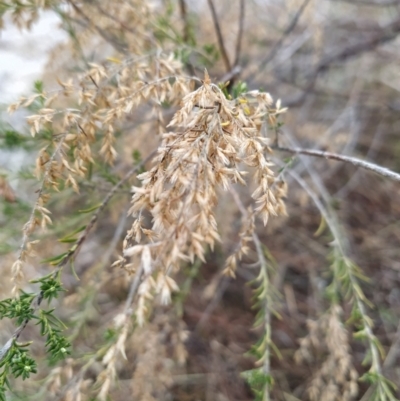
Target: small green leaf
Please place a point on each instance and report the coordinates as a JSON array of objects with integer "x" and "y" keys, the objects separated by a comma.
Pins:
[
  {"x": 90, "y": 209},
  {"x": 68, "y": 240},
  {"x": 38, "y": 86},
  {"x": 74, "y": 271},
  {"x": 55, "y": 260},
  {"x": 69, "y": 236}
]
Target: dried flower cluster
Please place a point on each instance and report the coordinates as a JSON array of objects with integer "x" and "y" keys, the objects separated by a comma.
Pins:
[
  {"x": 336, "y": 379},
  {"x": 88, "y": 133},
  {"x": 161, "y": 353},
  {"x": 242, "y": 248},
  {"x": 217, "y": 137},
  {"x": 78, "y": 134}
]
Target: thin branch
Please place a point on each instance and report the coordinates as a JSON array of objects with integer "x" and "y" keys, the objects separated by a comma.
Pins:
[
  {"x": 105, "y": 202},
  {"x": 187, "y": 34},
  {"x": 184, "y": 17},
  {"x": 240, "y": 33},
  {"x": 388, "y": 33},
  {"x": 231, "y": 76},
  {"x": 223, "y": 283},
  {"x": 360, "y": 3},
  {"x": 394, "y": 351},
  {"x": 104, "y": 34},
  {"x": 73, "y": 251},
  {"x": 133, "y": 290},
  {"x": 128, "y": 311},
  {"x": 383, "y": 171},
  {"x": 286, "y": 33},
  {"x": 115, "y": 19},
  {"x": 221, "y": 44}
]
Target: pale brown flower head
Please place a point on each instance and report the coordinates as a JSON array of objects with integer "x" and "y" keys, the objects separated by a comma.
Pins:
[{"x": 215, "y": 138}]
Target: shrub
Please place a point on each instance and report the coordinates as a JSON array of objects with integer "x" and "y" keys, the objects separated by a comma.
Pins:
[{"x": 136, "y": 113}]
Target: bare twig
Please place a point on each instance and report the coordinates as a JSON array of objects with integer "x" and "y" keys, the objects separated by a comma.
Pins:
[
  {"x": 240, "y": 33},
  {"x": 394, "y": 351},
  {"x": 221, "y": 43},
  {"x": 387, "y": 33},
  {"x": 113, "y": 18},
  {"x": 371, "y": 3},
  {"x": 231, "y": 75},
  {"x": 105, "y": 202},
  {"x": 286, "y": 33},
  {"x": 105, "y": 35},
  {"x": 383, "y": 171},
  {"x": 223, "y": 283},
  {"x": 133, "y": 290},
  {"x": 184, "y": 16}
]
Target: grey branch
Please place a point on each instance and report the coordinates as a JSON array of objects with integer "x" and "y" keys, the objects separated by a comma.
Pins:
[
  {"x": 218, "y": 31},
  {"x": 383, "y": 171}
]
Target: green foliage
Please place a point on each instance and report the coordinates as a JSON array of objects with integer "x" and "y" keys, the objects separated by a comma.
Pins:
[
  {"x": 110, "y": 335},
  {"x": 55, "y": 260},
  {"x": 38, "y": 86},
  {"x": 11, "y": 209},
  {"x": 39, "y": 100},
  {"x": 210, "y": 55},
  {"x": 22, "y": 364},
  {"x": 26, "y": 173},
  {"x": 19, "y": 308},
  {"x": 50, "y": 286},
  {"x": 5, "y": 248},
  {"x": 384, "y": 388},
  {"x": 57, "y": 346},
  {"x": 165, "y": 27},
  {"x": 264, "y": 300},
  {"x": 104, "y": 172},
  {"x": 12, "y": 138},
  {"x": 346, "y": 278},
  {"x": 345, "y": 274},
  {"x": 15, "y": 359},
  {"x": 239, "y": 89},
  {"x": 183, "y": 54},
  {"x": 18, "y": 363},
  {"x": 136, "y": 156},
  {"x": 90, "y": 209},
  {"x": 257, "y": 380}
]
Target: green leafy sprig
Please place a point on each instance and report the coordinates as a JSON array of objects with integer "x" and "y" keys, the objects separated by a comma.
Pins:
[{"x": 15, "y": 359}]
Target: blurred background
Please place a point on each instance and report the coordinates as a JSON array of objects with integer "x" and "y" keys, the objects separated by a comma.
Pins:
[{"x": 335, "y": 65}]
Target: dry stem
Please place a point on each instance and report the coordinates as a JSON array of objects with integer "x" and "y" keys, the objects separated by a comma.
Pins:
[{"x": 385, "y": 172}]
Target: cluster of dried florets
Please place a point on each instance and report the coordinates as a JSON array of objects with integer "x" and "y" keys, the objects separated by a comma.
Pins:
[
  {"x": 336, "y": 379},
  {"x": 242, "y": 248},
  {"x": 217, "y": 137},
  {"x": 107, "y": 95}
]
